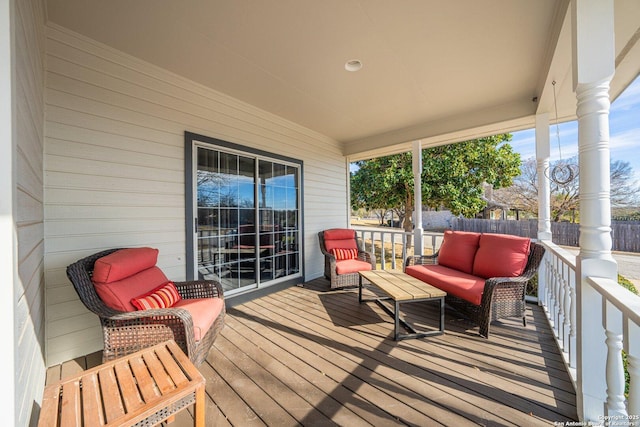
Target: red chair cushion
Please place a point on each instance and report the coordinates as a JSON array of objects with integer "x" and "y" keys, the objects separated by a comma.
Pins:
[
  {"x": 348, "y": 266},
  {"x": 458, "y": 250},
  {"x": 501, "y": 255},
  {"x": 342, "y": 254},
  {"x": 118, "y": 295},
  {"x": 164, "y": 296},
  {"x": 204, "y": 311},
  {"x": 123, "y": 263},
  {"x": 340, "y": 238},
  {"x": 462, "y": 285}
]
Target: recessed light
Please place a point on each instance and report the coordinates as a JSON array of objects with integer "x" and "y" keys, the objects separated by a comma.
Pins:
[{"x": 353, "y": 65}]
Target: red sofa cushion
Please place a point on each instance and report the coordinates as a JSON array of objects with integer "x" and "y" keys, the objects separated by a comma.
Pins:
[
  {"x": 453, "y": 282},
  {"x": 341, "y": 238},
  {"x": 204, "y": 311},
  {"x": 123, "y": 263},
  {"x": 501, "y": 255},
  {"x": 348, "y": 266},
  {"x": 458, "y": 250},
  {"x": 118, "y": 295}
]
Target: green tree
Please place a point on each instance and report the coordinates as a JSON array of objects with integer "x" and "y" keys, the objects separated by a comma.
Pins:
[{"x": 452, "y": 177}]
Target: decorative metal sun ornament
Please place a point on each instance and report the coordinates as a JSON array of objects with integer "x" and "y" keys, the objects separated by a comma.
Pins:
[{"x": 562, "y": 172}]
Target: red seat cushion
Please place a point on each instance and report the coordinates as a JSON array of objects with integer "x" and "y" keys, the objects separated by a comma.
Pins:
[
  {"x": 340, "y": 238},
  {"x": 352, "y": 266},
  {"x": 204, "y": 311},
  {"x": 123, "y": 263},
  {"x": 458, "y": 250},
  {"x": 453, "y": 282},
  {"x": 501, "y": 255}
]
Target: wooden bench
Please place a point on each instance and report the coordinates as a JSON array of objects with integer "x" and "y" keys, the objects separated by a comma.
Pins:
[
  {"x": 402, "y": 288},
  {"x": 144, "y": 388}
]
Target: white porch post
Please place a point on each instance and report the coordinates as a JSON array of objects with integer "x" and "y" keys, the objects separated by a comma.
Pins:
[
  {"x": 8, "y": 242},
  {"x": 593, "y": 68},
  {"x": 417, "y": 197},
  {"x": 544, "y": 192}
]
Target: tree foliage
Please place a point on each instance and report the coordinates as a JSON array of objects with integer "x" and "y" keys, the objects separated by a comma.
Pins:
[
  {"x": 452, "y": 177},
  {"x": 565, "y": 198}
]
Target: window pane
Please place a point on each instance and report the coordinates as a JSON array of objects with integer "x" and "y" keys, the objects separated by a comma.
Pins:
[{"x": 231, "y": 200}]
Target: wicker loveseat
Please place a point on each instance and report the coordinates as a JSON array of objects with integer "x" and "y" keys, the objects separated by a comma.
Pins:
[
  {"x": 344, "y": 257},
  {"x": 107, "y": 284},
  {"x": 484, "y": 275}
]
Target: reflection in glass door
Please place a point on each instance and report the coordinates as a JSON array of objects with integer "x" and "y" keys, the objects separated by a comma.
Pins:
[{"x": 239, "y": 242}]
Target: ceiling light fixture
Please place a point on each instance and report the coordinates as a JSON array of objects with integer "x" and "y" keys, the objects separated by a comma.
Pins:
[{"x": 353, "y": 65}]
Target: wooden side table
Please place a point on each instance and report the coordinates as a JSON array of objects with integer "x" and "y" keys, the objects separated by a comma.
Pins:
[{"x": 144, "y": 388}]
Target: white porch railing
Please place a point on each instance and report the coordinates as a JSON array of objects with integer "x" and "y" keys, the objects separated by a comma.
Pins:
[
  {"x": 392, "y": 243},
  {"x": 620, "y": 313},
  {"x": 557, "y": 295}
]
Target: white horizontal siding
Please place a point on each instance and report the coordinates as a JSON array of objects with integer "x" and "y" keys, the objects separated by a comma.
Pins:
[
  {"x": 114, "y": 169},
  {"x": 29, "y": 299}
]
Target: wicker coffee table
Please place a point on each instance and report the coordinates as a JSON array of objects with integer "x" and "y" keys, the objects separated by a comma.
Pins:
[
  {"x": 402, "y": 289},
  {"x": 142, "y": 389}
]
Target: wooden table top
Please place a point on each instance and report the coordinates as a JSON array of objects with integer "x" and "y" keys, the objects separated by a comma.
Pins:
[
  {"x": 123, "y": 391},
  {"x": 400, "y": 286}
]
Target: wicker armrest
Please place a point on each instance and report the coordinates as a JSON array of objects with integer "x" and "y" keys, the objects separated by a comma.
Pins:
[
  {"x": 199, "y": 289},
  {"x": 421, "y": 260},
  {"x": 134, "y": 330},
  {"x": 368, "y": 257}
]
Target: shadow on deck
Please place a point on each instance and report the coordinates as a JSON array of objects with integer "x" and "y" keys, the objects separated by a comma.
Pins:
[{"x": 310, "y": 356}]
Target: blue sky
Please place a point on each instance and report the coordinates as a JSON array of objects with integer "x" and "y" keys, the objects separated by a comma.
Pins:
[{"x": 624, "y": 128}]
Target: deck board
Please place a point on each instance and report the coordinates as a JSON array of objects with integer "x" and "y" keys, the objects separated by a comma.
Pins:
[{"x": 308, "y": 355}]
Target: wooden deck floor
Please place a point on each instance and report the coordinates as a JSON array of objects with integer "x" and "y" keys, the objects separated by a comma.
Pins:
[{"x": 314, "y": 357}]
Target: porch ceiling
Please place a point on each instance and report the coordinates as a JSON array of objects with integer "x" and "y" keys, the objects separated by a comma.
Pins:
[{"x": 433, "y": 70}]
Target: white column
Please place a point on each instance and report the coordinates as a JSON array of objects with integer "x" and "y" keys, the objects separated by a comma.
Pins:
[
  {"x": 542, "y": 166},
  {"x": 8, "y": 241},
  {"x": 593, "y": 68},
  {"x": 417, "y": 195}
]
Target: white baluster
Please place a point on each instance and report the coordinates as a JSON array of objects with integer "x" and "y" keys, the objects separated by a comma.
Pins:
[
  {"x": 567, "y": 309},
  {"x": 542, "y": 280},
  {"x": 572, "y": 324},
  {"x": 560, "y": 318},
  {"x": 547, "y": 280},
  {"x": 633, "y": 366},
  {"x": 615, "y": 370},
  {"x": 393, "y": 251}
]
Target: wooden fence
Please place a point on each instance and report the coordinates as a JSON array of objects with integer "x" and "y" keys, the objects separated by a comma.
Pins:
[{"x": 625, "y": 234}]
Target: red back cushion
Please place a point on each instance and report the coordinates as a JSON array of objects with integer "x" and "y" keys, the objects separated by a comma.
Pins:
[
  {"x": 123, "y": 263},
  {"x": 126, "y": 274},
  {"x": 458, "y": 250},
  {"x": 501, "y": 255},
  {"x": 118, "y": 295},
  {"x": 341, "y": 238}
]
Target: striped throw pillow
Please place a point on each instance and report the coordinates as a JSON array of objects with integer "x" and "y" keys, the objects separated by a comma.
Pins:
[
  {"x": 342, "y": 254},
  {"x": 164, "y": 296}
]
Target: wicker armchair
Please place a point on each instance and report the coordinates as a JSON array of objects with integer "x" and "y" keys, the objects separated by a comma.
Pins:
[
  {"x": 344, "y": 238},
  {"x": 502, "y": 296},
  {"x": 127, "y": 332}
]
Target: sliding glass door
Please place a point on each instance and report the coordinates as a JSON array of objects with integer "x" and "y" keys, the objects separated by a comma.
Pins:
[{"x": 246, "y": 218}]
